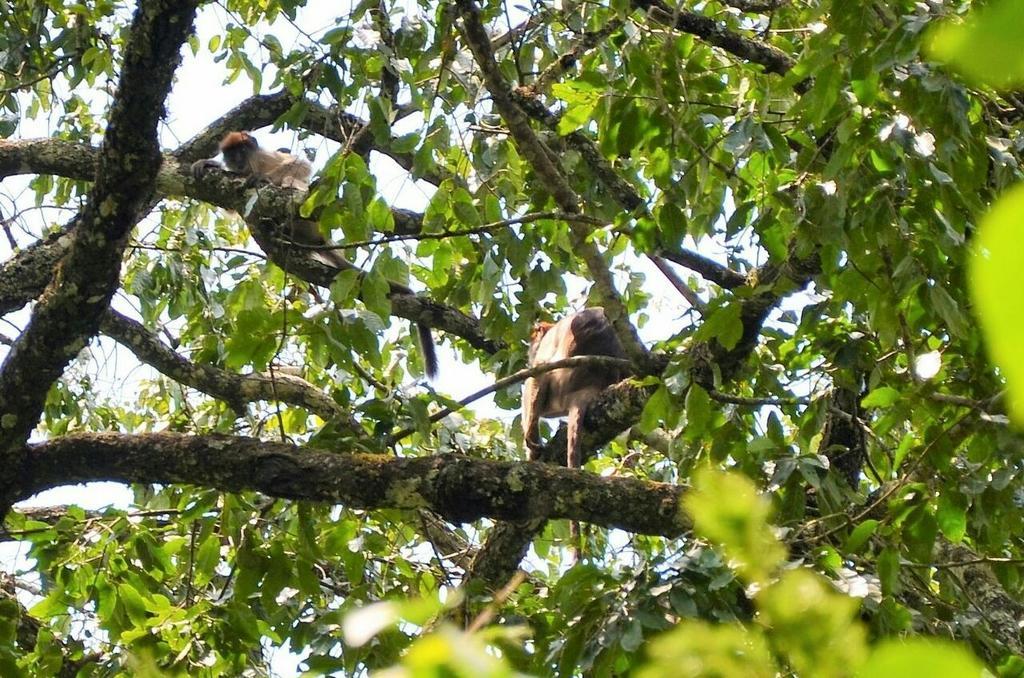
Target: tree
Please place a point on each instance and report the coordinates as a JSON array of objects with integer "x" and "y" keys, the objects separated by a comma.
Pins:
[{"x": 802, "y": 180}]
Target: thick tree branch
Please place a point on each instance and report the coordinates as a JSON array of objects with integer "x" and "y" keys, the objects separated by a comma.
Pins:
[
  {"x": 234, "y": 389},
  {"x": 499, "y": 557},
  {"x": 459, "y": 488},
  {"x": 267, "y": 210},
  {"x": 68, "y": 314},
  {"x": 76, "y": 160},
  {"x": 29, "y": 271},
  {"x": 755, "y": 7},
  {"x": 715, "y": 33},
  {"x": 59, "y": 157},
  {"x": 1001, "y": 612},
  {"x": 723, "y": 276}
]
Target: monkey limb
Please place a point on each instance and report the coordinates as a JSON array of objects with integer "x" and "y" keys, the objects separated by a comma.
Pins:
[
  {"x": 243, "y": 155},
  {"x": 568, "y": 391}
]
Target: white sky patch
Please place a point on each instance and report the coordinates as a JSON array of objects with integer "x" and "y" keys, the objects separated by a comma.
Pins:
[
  {"x": 365, "y": 37},
  {"x": 901, "y": 122},
  {"x": 924, "y": 144},
  {"x": 858, "y": 585},
  {"x": 927, "y": 365},
  {"x": 286, "y": 594},
  {"x": 363, "y": 624}
]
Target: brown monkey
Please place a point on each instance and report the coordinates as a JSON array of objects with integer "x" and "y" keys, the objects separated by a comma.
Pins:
[
  {"x": 243, "y": 155},
  {"x": 568, "y": 391}
]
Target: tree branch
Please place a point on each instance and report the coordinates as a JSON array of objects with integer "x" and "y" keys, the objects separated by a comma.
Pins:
[
  {"x": 24, "y": 276},
  {"x": 723, "y": 276},
  {"x": 459, "y": 488},
  {"x": 715, "y": 33},
  {"x": 684, "y": 290},
  {"x": 755, "y": 7},
  {"x": 234, "y": 389}
]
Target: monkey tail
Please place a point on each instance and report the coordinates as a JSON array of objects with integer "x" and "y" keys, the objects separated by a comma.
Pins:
[
  {"x": 426, "y": 339},
  {"x": 429, "y": 350},
  {"x": 577, "y": 543}
]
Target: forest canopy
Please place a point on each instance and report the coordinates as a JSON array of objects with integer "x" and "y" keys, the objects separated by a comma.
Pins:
[{"x": 800, "y": 218}]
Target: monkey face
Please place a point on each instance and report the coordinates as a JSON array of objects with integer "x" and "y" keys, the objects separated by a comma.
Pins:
[{"x": 238, "y": 148}]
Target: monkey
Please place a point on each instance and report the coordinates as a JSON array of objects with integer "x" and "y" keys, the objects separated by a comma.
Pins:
[
  {"x": 243, "y": 155},
  {"x": 568, "y": 391}
]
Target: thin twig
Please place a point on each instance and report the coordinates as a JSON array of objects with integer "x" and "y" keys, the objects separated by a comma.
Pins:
[
  {"x": 499, "y": 599},
  {"x": 486, "y": 228},
  {"x": 755, "y": 402},
  {"x": 521, "y": 375},
  {"x": 695, "y": 301}
]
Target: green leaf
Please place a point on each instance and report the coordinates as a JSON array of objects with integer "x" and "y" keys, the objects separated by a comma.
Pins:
[
  {"x": 207, "y": 558},
  {"x": 133, "y": 603},
  {"x": 919, "y": 533},
  {"x": 740, "y": 524},
  {"x": 723, "y": 324},
  {"x": 881, "y": 397},
  {"x": 633, "y": 638},
  {"x": 889, "y": 570},
  {"x": 696, "y": 648},
  {"x": 952, "y": 515},
  {"x": 336, "y": 36},
  {"x": 375, "y": 291},
  {"x": 860, "y": 536},
  {"x": 464, "y": 208},
  {"x": 985, "y": 47},
  {"x": 52, "y": 605},
  {"x": 655, "y": 410},
  {"x": 948, "y": 309},
  {"x": 581, "y": 99},
  {"x": 699, "y": 412},
  {"x": 995, "y": 269},
  {"x": 814, "y": 626},
  {"x": 920, "y": 657}
]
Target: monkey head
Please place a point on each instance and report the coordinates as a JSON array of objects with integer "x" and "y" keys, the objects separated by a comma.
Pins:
[{"x": 237, "y": 148}]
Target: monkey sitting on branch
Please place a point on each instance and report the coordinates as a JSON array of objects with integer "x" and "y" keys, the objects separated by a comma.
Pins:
[
  {"x": 243, "y": 155},
  {"x": 569, "y": 391}
]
